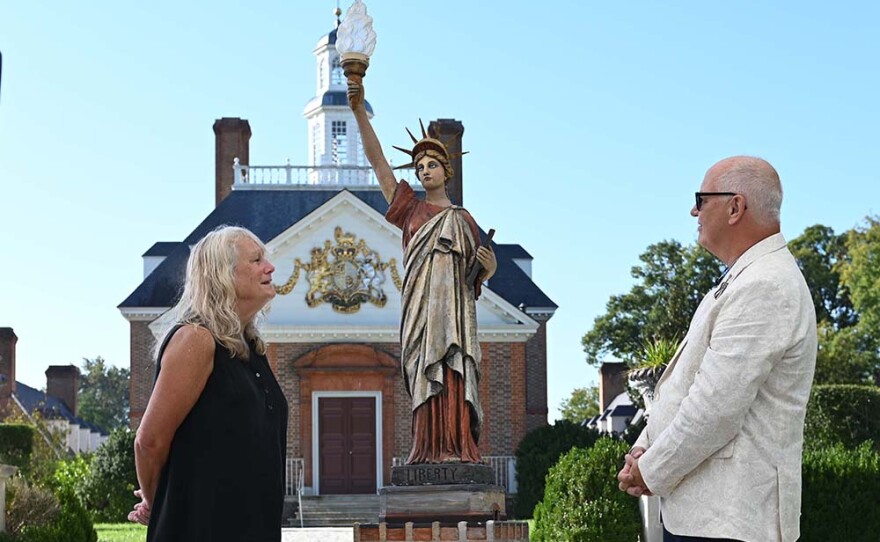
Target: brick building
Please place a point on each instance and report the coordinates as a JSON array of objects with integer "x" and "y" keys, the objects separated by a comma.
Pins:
[
  {"x": 57, "y": 405},
  {"x": 333, "y": 330}
]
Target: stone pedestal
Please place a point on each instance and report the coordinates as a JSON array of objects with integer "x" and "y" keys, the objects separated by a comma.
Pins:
[
  {"x": 451, "y": 503},
  {"x": 447, "y": 501},
  {"x": 445, "y": 492}
]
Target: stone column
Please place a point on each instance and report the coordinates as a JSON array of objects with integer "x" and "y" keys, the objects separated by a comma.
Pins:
[{"x": 6, "y": 472}]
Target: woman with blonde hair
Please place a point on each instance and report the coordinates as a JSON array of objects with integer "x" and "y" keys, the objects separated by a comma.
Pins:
[
  {"x": 440, "y": 352},
  {"x": 211, "y": 446}
]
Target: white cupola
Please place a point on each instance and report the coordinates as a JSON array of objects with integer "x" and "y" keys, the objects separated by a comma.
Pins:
[{"x": 333, "y": 138}]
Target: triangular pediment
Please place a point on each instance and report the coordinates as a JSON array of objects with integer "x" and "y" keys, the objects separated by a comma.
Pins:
[
  {"x": 339, "y": 271},
  {"x": 345, "y": 243}
]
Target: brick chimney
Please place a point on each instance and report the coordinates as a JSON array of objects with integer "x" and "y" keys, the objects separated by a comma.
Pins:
[
  {"x": 232, "y": 137},
  {"x": 62, "y": 381},
  {"x": 7, "y": 365},
  {"x": 612, "y": 382},
  {"x": 451, "y": 131}
]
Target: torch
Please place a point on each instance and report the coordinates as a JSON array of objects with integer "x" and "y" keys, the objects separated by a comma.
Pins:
[{"x": 355, "y": 40}]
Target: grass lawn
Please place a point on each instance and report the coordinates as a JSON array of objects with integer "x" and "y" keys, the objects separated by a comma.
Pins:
[{"x": 121, "y": 532}]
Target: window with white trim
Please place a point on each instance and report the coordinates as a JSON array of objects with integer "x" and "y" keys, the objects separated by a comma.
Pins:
[
  {"x": 339, "y": 141},
  {"x": 336, "y": 75}
]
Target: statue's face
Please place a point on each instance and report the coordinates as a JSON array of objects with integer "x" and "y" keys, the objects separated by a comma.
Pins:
[{"x": 431, "y": 173}]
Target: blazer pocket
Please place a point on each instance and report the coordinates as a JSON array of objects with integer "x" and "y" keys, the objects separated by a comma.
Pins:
[{"x": 725, "y": 451}]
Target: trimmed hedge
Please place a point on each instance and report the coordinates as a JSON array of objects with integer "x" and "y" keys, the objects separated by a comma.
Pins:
[
  {"x": 844, "y": 414},
  {"x": 840, "y": 494},
  {"x": 539, "y": 451},
  {"x": 16, "y": 444},
  {"x": 582, "y": 502}
]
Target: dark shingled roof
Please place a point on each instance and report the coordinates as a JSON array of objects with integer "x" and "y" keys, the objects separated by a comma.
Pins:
[
  {"x": 335, "y": 98},
  {"x": 624, "y": 410},
  {"x": 49, "y": 407},
  {"x": 512, "y": 252},
  {"x": 268, "y": 213},
  {"x": 162, "y": 248}
]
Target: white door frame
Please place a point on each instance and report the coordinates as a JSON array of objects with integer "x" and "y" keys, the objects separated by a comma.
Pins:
[{"x": 316, "y": 458}]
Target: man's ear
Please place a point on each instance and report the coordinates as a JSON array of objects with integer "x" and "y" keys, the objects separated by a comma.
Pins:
[{"x": 737, "y": 208}]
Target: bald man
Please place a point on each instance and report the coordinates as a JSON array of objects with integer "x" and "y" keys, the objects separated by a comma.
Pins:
[{"x": 723, "y": 444}]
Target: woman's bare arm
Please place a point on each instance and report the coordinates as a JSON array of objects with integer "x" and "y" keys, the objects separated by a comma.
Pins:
[{"x": 186, "y": 365}]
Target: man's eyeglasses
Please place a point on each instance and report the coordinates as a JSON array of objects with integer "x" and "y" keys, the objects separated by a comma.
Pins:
[{"x": 701, "y": 195}]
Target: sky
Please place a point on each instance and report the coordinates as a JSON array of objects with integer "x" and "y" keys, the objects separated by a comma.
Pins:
[{"x": 590, "y": 125}]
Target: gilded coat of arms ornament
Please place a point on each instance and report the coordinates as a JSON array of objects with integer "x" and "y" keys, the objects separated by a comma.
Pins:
[{"x": 345, "y": 275}]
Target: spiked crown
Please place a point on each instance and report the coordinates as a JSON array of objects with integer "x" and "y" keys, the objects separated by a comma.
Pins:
[{"x": 428, "y": 143}]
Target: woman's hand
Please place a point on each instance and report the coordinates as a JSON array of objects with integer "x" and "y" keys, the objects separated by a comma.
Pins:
[
  {"x": 141, "y": 512},
  {"x": 486, "y": 257},
  {"x": 355, "y": 93}
]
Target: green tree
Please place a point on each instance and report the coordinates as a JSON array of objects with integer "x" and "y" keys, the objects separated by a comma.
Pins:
[
  {"x": 671, "y": 282},
  {"x": 861, "y": 276},
  {"x": 103, "y": 394},
  {"x": 821, "y": 254},
  {"x": 847, "y": 356},
  {"x": 582, "y": 405}
]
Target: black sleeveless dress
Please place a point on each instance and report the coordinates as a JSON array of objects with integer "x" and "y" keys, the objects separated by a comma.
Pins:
[{"x": 224, "y": 478}]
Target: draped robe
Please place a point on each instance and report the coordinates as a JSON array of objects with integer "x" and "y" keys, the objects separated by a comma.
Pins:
[{"x": 440, "y": 353}]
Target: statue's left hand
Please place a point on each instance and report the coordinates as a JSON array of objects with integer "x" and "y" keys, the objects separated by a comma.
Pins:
[{"x": 486, "y": 257}]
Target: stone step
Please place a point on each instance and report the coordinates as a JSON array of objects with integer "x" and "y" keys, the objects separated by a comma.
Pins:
[{"x": 338, "y": 510}]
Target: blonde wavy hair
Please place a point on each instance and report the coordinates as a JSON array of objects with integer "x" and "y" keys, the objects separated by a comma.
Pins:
[{"x": 208, "y": 299}]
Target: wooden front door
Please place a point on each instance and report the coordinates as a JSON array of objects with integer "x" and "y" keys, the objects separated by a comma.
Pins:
[{"x": 347, "y": 445}]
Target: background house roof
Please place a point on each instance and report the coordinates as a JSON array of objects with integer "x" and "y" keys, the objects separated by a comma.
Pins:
[
  {"x": 50, "y": 407},
  {"x": 162, "y": 248}
]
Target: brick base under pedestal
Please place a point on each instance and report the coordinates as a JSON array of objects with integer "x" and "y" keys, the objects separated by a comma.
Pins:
[{"x": 463, "y": 531}]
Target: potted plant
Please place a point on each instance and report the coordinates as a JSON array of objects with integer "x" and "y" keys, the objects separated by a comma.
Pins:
[{"x": 648, "y": 369}]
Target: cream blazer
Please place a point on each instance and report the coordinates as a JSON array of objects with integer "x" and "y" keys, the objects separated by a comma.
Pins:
[{"x": 725, "y": 434}]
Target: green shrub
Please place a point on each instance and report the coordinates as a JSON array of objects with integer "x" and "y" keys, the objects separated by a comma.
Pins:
[
  {"x": 539, "y": 451},
  {"x": 16, "y": 444},
  {"x": 47, "y": 446},
  {"x": 108, "y": 490},
  {"x": 847, "y": 414},
  {"x": 71, "y": 475},
  {"x": 29, "y": 505},
  {"x": 73, "y": 524},
  {"x": 582, "y": 502},
  {"x": 840, "y": 494}
]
